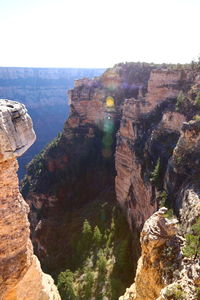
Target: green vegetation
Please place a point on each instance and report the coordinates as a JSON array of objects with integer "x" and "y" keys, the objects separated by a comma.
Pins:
[
  {"x": 162, "y": 201},
  {"x": 180, "y": 100},
  {"x": 169, "y": 214},
  {"x": 192, "y": 247},
  {"x": 174, "y": 292},
  {"x": 65, "y": 285},
  {"x": 197, "y": 293},
  {"x": 37, "y": 164},
  {"x": 104, "y": 267},
  {"x": 196, "y": 117},
  {"x": 155, "y": 175},
  {"x": 162, "y": 198}
]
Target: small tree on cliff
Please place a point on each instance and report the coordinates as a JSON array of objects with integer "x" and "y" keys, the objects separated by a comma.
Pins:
[{"x": 192, "y": 247}]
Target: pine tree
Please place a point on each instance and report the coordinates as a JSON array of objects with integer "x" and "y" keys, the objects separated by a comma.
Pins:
[
  {"x": 65, "y": 285},
  {"x": 86, "y": 234},
  {"x": 89, "y": 281},
  {"x": 97, "y": 236}
]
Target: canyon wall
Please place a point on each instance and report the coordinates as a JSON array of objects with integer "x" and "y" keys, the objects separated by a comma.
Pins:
[
  {"x": 149, "y": 126},
  {"x": 128, "y": 135},
  {"x": 44, "y": 92},
  {"x": 168, "y": 266},
  {"x": 21, "y": 274},
  {"x": 78, "y": 169}
]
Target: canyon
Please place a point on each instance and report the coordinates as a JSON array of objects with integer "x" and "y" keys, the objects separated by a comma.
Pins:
[
  {"x": 43, "y": 91},
  {"x": 116, "y": 195}
]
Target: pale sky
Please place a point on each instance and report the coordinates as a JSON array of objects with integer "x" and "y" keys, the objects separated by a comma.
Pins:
[{"x": 98, "y": 33}]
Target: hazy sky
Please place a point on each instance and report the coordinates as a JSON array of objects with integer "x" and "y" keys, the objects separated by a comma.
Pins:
[{"x": 97, "y": 33}]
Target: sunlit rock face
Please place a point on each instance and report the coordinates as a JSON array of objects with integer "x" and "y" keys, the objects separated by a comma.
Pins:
[
  {"x": 156, "y": 232},
  {"x": 164, "y": 84},
  {"x": 79, "y": 166},
  {"x": 159, "y": 129},
  {"x": 21, "y": 274},
  {"x": 130, "y": 121},
  {"x": 16, "y": 131},
  {"x": 146, "y": 121}
]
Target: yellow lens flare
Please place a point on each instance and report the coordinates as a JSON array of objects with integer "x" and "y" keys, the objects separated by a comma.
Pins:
[{"x": 110, "y": 102}]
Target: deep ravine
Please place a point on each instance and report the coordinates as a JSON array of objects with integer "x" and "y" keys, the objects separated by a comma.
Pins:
[{"x": 132, "y": 139}]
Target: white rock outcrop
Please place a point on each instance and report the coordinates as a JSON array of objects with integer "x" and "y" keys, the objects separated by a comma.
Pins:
[{"x": 16, "y": 129}]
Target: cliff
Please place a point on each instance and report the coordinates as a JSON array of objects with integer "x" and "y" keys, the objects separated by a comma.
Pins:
[
  {"x": 168, "y": 266},
  {"x": 43, "y": 91},
  {"x": 149, "y": 129},
  {"x": 21, "y": 274},
  {"x": 71, "y": 179},
  {"x": 130, "y": 136}
]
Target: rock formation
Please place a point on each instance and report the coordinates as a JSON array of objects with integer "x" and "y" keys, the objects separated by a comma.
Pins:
[
  {"x": 144, "y": 122},
  {"x": 141, "y": 114},
  {"x": 43, "y": 91},
  {"x": 156, "y": 232},
  {"x": 94, "y": 119},
  {"x": 163, "y": 272},
  {"x": 21, "y": 275}
]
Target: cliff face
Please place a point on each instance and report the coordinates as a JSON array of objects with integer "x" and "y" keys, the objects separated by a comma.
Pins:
[
  {"x": 142, "y": 117},
  {"x": 77, "y": 169},
  {"x": 21, "y": 275},
  {"x": 152, "y": 264},
  {"x": 149, "y": 129},
  {"x": 168, "y": 266},
  {"x": 43, "y": 91}
]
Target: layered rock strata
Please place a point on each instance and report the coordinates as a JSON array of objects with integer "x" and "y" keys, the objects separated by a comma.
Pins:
[
  {"x": 21, "y": 274},
  {"x": 82, "y": 157},
  {"x": 156, "y": 232},
  {"x": 145, "y": 122},
  {"x": 151, "y": 119},
  {"x": 163, "y": 273},
  {"x": 167, "y": 272}
]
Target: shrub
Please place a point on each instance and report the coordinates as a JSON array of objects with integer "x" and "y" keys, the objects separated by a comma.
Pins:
[
  {"x": 192, "y": 247},
  {"x": 196, "y": 117},
  {"x": 174, "y": 291},
  {"x": 162, "y": 198},
  {"x": 169, "y": 214},
  {"x": 197, "y": 292}
]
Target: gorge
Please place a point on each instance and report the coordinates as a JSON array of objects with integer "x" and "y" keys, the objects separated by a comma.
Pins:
[
  {"x": 43, "y": 91},
  {"x": 129, "y": 147}
]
